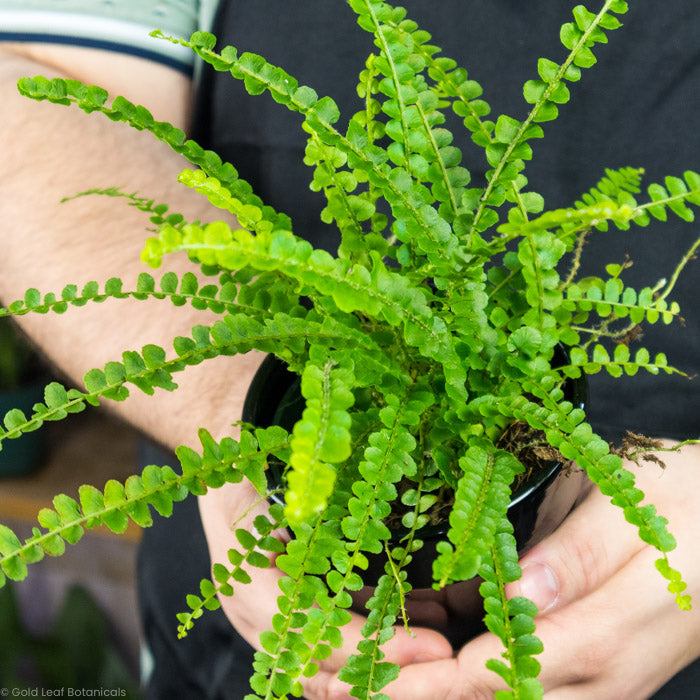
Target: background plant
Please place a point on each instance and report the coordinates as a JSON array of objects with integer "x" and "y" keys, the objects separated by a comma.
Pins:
[{"x": 455, "y": 294}]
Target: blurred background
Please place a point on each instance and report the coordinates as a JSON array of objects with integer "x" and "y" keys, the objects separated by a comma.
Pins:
[{"x": 72, "y": 623}]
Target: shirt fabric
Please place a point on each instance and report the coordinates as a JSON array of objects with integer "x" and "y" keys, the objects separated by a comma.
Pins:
[{"x": 117, "y": 25}]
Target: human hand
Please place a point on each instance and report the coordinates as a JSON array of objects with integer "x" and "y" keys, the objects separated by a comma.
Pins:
[
  {"x": 252, "y": 606},
  {"x": 610, "y": 628}
]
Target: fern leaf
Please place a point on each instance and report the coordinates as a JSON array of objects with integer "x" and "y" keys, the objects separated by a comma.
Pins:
[
  {"x": 510, "y": 620},
  {"x": 295, "y": 638},
  {"x": 621, "y": 362},
  {"x": 390, "y": 296},
  {"x": 117, "y": 503},
  {"x": 675, "y": 194},
  {"x": 225, "y": 577},
  {"x": 510, "y": 145},
  {"x": 320, "y": 439},
  {"x": 451, "y": 82},
  {"x": 366, "y": 671},
  {"x": 260, "y": 298},
  {"x": 481, "y": 500},
  {"x": 92, "y": 99},
  {"x": 425, "y": 227},
  {"x": 576, "y": 441}
]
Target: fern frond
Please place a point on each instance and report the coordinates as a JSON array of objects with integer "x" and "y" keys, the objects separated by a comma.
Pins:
[
  {"x": 424, "y": 227},
  {"x": 614, "y": 299},
  {"x": 612, "y": 201},
  {"x": 157, "y": 487},
  {"x": 90, "y": 98},
  {"x": 387, "y": 460},
  {"x": 617, "y": 186},
  {"x": 511, "y": 620},
  {"x": 158, "y": 211},
  {"x": 539, "y": 254},
  {"x": 451, "y": 83},
  {"x": 249, "y": 213},
  {"x": 621, "y": 362},
  {"x": 297, "y": 636},
  {"x": 363, "y": 519},
  {"x": 565, "y": 430},
  {"x": 481, "y": 500},
  {"x": 674, "y": 194},
  {"x": 413, "y": 117},
  {"x": 510, "y": 145},
  {"x": 320, "y": 439},
  {"x": 346, "y": 205},
  {"x": 354, "y": 288},
  {"x": 150, "y": 369},
  {"x": 412, "y": 111},
  {"x": 251, "y": 554},
  {"x": 366, "y": 671},
  {"x": 259, "y": 298},
  {"x": 573, "y": 220}
]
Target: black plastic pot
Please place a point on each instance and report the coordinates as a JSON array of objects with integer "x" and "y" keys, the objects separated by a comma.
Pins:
[{"x": 538, "y": 507}]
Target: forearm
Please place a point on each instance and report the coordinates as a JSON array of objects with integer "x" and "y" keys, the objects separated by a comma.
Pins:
[{"x": 50, "y": 152}]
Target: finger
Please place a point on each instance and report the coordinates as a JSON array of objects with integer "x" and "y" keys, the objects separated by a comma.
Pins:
[
  {"x": 623, "y": 647},
  {"x": 591, "y": 545},
  {"x": 461, "y": 678},
  {"x": 592, "y": 648},
  {"x": 422, "y": 646}
]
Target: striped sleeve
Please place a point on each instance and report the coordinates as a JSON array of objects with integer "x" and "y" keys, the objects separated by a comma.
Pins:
[{"x": 117, "y": 25}]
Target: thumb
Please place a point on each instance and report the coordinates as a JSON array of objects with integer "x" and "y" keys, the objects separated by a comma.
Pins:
[{"x": 587, "y": 549}]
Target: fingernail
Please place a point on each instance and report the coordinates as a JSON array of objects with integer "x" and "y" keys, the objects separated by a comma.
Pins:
[{"x": 539, "y": 584}]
